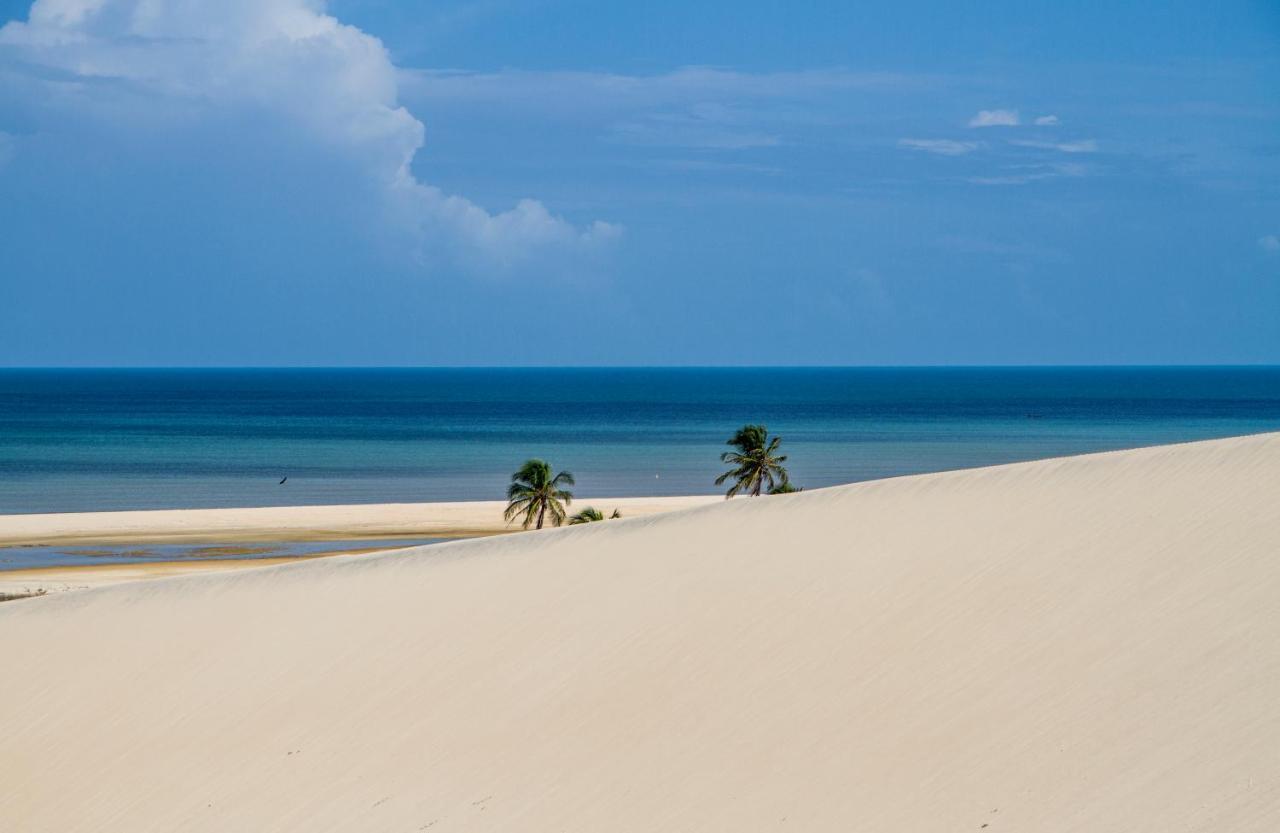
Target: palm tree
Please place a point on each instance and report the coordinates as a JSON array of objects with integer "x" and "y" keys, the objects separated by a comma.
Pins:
[
  {"x": 534, "y": 492},
  {"x": 590, "y": 515},
  {"x": 756, "y": 463},
  {"x": 786, "y": 487}
]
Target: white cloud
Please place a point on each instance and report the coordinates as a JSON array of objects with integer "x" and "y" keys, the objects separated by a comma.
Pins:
[
  {"x": 278, "y": 59},
  {"x": 1026, "y": 174},
  {"x": 1046, "y": 121},
  {"x": 943, "y": 147},
  {"x": 995, "y": 118},
  {"x": 1269, "y": 242},
  {"x": 1080, "y": 146}
]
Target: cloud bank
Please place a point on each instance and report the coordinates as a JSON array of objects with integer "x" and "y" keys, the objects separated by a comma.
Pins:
[{"x": 160, "y": 64}]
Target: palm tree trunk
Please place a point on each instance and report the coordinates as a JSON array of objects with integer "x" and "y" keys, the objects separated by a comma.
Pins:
[{"x": 541, "y": 513}]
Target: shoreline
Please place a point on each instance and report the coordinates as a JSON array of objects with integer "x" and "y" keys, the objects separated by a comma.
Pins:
[
  {"x": 340, "y": 523},
  {"x": 373, "y": 521},
  {"x": 27, "y": 582},
  {"x": 43, "y": 581}
]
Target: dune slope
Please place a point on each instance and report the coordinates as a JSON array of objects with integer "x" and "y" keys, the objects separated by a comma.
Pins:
[{"x": 1090, "y": 643}]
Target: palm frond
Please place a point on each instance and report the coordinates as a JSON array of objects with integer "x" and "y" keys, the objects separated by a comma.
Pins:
[
  {"x": 586, "y": 516},
  {"x": 515, "y": 507}
]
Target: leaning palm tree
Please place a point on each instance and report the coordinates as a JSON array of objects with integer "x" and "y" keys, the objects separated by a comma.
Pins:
[
  {"x": 534, "y": 493},
  {"x": 590, "y": 515},
  {"x": 756, "y": 463}
]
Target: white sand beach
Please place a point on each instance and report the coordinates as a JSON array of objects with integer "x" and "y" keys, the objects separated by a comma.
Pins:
[
  {"x": 458, "y": 519},
  {"x": 1080, "y": 644},
  {"x": 368, "y": 522}
]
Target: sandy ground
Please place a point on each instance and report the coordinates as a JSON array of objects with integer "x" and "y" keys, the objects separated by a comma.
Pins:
[
  {"x": 1086, "y": 644},
  {"x": 463, "y": 519},
  {"x": 459, "y": 519},
  {"x": 39, "y": 581}
]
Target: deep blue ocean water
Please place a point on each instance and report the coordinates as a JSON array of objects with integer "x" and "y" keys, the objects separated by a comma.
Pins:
[{"x": 77, "y": 440}]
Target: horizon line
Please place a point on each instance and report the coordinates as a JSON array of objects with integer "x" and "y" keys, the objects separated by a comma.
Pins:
[{"x": 319, "y": 367}]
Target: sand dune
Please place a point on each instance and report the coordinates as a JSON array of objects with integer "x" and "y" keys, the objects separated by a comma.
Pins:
[{"x": 1086, "y": 644}]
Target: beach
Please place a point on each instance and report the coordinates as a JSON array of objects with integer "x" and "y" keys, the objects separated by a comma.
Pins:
[
  {"x": 371, "y": 522},
  {"x": 1085, "y": 643},
  {"x": 461, "y": 519}
]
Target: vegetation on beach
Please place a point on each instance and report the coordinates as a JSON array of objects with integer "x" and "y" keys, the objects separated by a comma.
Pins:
[
  {"x": 757, "y": 466},
  {"x": 24, "y": 594},
  {"x": 535, "y": 493},
  {"x": 591, "y": 515}
]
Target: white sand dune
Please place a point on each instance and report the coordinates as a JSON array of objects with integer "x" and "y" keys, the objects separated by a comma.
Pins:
[{"x": 1086, "y": 644}]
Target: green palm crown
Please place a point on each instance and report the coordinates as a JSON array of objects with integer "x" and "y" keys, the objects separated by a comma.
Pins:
[
  {"x": 534, "y": 493},
  {"x": 756, "y": 463}
]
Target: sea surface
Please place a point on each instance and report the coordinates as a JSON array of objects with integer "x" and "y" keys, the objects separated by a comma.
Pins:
[{"x": 82, "y": 440}]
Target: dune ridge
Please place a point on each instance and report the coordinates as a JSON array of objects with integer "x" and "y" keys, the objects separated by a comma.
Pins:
[{"x": 1087, "y": 643}]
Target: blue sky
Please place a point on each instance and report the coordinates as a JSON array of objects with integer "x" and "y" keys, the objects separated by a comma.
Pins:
[{"x": 278, "y": 182}]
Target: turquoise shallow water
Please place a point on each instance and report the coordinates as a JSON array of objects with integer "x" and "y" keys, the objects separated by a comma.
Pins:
[{"x": 78, "y": 440}]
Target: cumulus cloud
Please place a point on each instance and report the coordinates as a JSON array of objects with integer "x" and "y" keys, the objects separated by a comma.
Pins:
[
  {"x": 1080, "y": 146},
  {"x": 1046, "y": 121},
  {"x": 942, "y": 147},
  {"x": 1269, "y": 242},
  {"x": 995, "y": 118},
  {"x": 279, "y": 59}
]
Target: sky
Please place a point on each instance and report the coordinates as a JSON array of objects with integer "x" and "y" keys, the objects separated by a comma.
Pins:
[{"x": 494, "y": 182}]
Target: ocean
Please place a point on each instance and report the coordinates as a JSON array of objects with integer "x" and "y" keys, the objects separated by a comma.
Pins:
[{"x": 83, "y": 440}]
